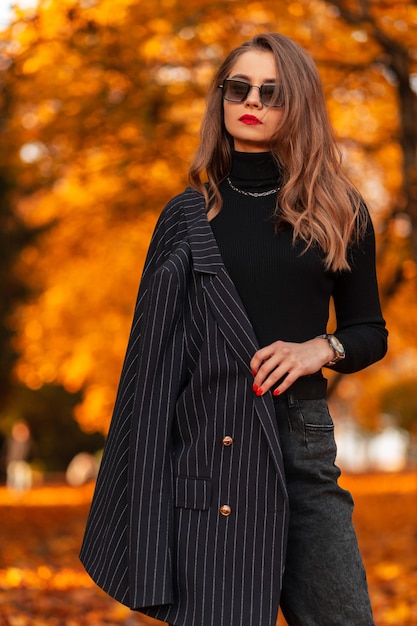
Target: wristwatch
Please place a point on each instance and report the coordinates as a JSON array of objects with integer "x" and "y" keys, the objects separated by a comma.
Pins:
[{"x": 339, "y": 351}]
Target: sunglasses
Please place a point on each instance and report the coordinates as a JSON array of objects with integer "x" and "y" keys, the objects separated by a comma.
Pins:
[{"x": 236, "y": 90}]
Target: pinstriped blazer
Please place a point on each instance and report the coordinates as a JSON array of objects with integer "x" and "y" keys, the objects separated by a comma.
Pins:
[{"x": 189, "y": 517}]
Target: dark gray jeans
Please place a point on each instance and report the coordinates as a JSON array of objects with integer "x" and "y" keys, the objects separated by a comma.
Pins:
[{"x": 324, "y": 581}]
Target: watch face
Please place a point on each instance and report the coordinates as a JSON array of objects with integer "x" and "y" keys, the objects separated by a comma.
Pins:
[{"x": 336, "y": 344}]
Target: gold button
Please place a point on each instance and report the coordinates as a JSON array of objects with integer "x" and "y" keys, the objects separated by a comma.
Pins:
[
  {"x": 225, "y": 510},
  {"x": 227, "y": 441}
]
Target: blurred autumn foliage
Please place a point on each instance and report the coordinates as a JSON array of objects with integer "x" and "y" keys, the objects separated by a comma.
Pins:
[{"x": 100, "y": 106}]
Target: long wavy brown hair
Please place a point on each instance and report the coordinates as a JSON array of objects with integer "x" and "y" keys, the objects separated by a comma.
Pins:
[{"x": 317, "y": 199}]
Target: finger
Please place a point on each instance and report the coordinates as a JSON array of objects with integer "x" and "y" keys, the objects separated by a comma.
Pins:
[
  {"x": 285, "y": 384},
  {"x": 259, "y": 357},
  {"x": 281, "y": 357},
  {"x": 273, "y": 378},
  {"x": 265, "y": 370}
]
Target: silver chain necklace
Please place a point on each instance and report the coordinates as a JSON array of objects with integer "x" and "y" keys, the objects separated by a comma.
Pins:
[{"x": 253, "y": 194}]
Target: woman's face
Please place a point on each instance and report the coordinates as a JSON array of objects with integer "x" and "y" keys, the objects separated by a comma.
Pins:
[{"x": 251, "y": 123}]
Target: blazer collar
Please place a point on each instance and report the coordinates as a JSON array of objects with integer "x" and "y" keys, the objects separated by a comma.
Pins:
[{"x": 206, "y": 255}]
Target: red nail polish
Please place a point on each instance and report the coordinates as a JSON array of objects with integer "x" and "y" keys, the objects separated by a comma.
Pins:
[
  {"x": 277, "y": 392},
  {"x": 255, "y": 387},
  {"x": 259, "y": 391},
  {"x": 253, "y": 372}
]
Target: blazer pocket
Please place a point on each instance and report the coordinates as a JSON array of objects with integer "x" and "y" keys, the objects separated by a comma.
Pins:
[{"x": 192, "y": 493}]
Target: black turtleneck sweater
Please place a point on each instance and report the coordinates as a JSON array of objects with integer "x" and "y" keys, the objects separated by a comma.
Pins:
[{"x": 286, "y": 293}]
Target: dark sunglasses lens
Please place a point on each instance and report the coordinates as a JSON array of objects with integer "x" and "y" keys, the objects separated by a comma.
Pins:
[
  {"x": 235, "y": 90},
  {"x": 271, "y": 95}
]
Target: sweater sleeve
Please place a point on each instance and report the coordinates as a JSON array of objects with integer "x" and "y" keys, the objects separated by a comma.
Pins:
[{"x": 360, "y": 324}]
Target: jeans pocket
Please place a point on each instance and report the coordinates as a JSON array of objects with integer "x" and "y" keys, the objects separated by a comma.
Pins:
[
  {"x": 316, "y": 415},
  {"x": 318, "y": 426}
]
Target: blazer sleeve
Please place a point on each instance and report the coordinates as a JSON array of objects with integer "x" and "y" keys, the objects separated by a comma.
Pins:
[{"x": 128, "y": 538}]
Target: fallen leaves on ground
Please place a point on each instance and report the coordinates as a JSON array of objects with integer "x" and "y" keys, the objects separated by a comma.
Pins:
[{"x": 42, "y": 582}]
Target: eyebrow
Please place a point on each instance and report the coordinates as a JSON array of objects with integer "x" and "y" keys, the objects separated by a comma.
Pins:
[{"x": 244, "y": 77}]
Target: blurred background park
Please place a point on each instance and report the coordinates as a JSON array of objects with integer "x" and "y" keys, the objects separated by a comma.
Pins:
[{"x": 100, "y": 107}]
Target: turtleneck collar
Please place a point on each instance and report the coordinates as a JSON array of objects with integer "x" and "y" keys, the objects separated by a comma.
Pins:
[{"x": 254, "y": 170}]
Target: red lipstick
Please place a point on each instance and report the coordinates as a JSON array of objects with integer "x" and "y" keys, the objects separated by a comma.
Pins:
[{"x": 251, "y": 120}]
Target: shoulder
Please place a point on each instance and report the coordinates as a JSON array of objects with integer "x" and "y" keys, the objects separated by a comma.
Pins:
[
  {"x": 177, "y": 215},
  {"x": 363, "y": 229},
  {"x": 188, "y": 199},
  {"x": 361, "y": 250},
  {"x": 170, "y": 239},
  {"x": 366, "y": 229},
  {"x": 172, "y": 215}
]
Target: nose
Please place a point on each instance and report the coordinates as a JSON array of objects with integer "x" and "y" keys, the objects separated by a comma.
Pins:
[{"x": 254, "y": 97}]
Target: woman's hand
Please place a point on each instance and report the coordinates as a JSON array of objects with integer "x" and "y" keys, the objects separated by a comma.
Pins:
[{"x": 288, "y": 361}]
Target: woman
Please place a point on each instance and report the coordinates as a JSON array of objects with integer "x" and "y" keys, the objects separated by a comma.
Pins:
[{"x": 217, "y": 499}]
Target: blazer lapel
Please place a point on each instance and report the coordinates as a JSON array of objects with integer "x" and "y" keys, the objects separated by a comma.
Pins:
[
  {"x": 231, "y": 317},
  {"x": 222, "y": 294},
  {"x": 229, "y": 311}
]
